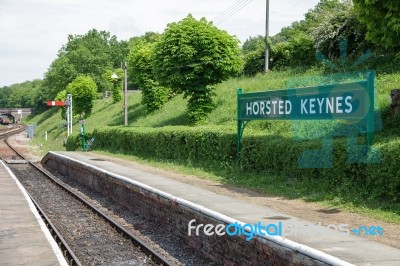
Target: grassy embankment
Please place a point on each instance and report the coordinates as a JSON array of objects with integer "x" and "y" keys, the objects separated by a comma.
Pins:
[{"x": 224, "y": 117}]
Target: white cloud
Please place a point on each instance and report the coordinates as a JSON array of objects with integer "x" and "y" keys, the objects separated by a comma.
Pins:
[{"x": 32, "y": 31}]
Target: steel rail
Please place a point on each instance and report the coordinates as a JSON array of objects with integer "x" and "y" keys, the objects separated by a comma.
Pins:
[
  {"x": 145, "y": 248},
  {"x": 66, "y": 250},
  {"x": 12, "y": 131},
  {"x": 69, "y": 255}
]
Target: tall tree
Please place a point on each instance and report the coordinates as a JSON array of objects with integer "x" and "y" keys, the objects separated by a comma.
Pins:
[
  {"x": 253, "y": 44},
  {"x": 382, "y": 18},
  {"x": 340, "y": 23},
  {"x": 153, "y": 95},
  {"x": 60, "y": 73},
  {"x": 89, "y": 54},
  {"x": 192, "y": 56},
  {"x": 135, "y": 44}
]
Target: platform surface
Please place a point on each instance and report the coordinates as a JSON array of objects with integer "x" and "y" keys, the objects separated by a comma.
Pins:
[
  {"x": 23, "y": 240},
  {"x": 347, "y": 247}
]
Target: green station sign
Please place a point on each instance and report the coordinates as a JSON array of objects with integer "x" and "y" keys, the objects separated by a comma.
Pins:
[
  {"x": 353, "y": 101},
  {"x": 342, "y": 101}
]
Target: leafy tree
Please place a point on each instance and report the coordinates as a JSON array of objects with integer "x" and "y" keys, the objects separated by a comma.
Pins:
[
  {"x": 60, "y": 73},
  {"x": 253, "y": 50},
  {"x": 323, "y": 27},
  {"x": 153, "y": 95},
  {"x": 253, "y": 44},
  {"x": 148, "y": 37},
  {"x": 27, "y": 94},
  {"x": 90, "y": 54},
  {"x": 254, "y": 62},
  {"x": 342, "y": 24},
  {"x": 4, "y": 94},
  {"x": 297, "y": 51},
  {"x": 382, "y": 18},
  {"x": 84, "y": 92},
  {"x": 192, "y": 56},
  {"x": 136, "y": 43},
  {"x": 119, "y": 50}
]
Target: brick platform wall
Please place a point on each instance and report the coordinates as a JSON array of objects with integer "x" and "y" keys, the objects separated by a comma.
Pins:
[{"x": 175, "y": 217}]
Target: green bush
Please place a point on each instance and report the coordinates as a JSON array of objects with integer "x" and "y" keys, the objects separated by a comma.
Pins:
[
  {"x": 215, "y": 146},
  {"x": 208, "y": 144},
  {"x": 254, "y": 62}
]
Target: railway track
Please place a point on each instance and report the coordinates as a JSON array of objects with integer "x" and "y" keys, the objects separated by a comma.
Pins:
[{"x": 85, "y": 234}]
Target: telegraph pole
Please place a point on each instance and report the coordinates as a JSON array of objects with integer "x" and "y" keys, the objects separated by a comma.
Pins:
[{"x": 266, "y": 36}]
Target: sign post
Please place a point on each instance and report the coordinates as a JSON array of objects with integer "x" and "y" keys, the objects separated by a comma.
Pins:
[{"x": 83, "y": 134}]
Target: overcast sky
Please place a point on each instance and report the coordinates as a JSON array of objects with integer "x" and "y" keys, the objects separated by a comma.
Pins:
[{"x": 32, "y": 31}]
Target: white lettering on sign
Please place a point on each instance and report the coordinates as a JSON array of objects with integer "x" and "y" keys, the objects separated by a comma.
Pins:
[
  {"x": 320, "y": 102},
  {"x": 310, "y": 106},
  {"x": 339, "y": 105},
  {"x": 264, "y": 107},
  {"x": 329, "y": 104},
  {"x": 288, "y": 106},
  {"x": 248, "y": 108},
  {"x": 347, "y": 102},
  {"x": 332, "y": 105},
  {"x": 303, "y": 106}
]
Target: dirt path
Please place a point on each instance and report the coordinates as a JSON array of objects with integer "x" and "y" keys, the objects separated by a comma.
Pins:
[{"x": 310, "y": 211}]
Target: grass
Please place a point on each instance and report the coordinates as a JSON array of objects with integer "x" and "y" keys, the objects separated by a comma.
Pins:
[
  {"x": 106, "y": 113},
  {"x": 270, "y": 185}
]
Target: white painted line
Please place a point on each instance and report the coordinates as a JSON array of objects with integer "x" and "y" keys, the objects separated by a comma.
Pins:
[{"x": 43, "y": 227}]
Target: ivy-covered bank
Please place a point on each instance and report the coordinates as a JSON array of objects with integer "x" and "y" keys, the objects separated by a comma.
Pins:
[{"x": 264, "y": 155}]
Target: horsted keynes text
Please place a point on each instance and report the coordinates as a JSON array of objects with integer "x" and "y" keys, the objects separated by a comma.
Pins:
[
  {"x": 332, "y": 105},
  {"x": 340, "y": 101}
]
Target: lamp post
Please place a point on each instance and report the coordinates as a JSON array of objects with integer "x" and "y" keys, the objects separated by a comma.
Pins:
[
  {"x": 115, "y": 78},
  {"x": 125, "y": 94}
]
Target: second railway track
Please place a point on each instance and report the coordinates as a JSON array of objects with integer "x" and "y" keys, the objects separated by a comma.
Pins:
[{"x": 93, "y": 239}]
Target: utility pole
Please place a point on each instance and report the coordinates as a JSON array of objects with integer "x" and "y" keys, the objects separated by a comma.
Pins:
[
  {"x": 125, "y": 95},
  {"x": 266, "y": 36}
]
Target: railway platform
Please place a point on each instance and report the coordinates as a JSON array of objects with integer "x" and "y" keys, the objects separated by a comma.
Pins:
[
  {"x": 24, "y": 238},
  {"x": 347, "y": 248}
]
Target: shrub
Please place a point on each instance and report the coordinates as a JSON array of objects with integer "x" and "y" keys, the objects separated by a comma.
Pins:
[{"x": 215, "y": 146}]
